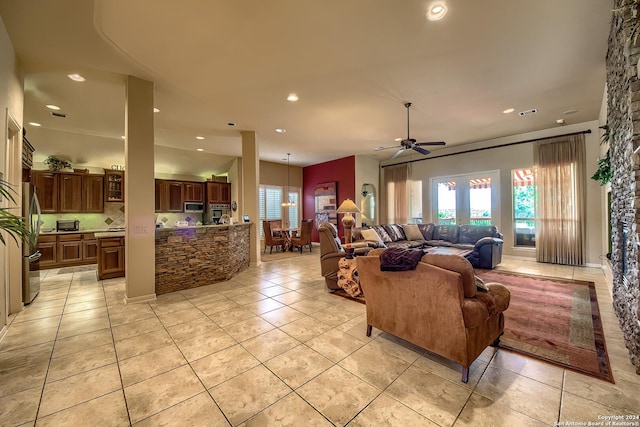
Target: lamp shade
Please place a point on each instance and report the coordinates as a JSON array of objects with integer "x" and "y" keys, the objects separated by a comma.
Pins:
[{"x": 347, "y": 206}]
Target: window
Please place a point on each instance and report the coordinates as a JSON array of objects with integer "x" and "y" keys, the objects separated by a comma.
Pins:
[
  {"x": 524, "y": 202},
  {"x": 270, "y": 206}
]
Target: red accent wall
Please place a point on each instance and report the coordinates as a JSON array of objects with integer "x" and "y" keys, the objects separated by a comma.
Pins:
[{"x": 342, "y": 171}]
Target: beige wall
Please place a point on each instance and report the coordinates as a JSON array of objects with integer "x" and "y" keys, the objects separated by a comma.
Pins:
[
  {"x": 505, "y": 160},
  {"x": 367, "y": 171},
  {"x": 276, "y": 174}
]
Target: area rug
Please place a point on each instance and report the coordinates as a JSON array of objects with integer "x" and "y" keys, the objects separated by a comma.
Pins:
[{"x": 555, "y": 320}]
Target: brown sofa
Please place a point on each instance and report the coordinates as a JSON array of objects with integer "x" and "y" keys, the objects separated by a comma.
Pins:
[{"x": 436, "y": 306}]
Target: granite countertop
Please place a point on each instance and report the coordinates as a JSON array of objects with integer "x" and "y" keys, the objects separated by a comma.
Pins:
[
  {"x": 107, "y": 234},
  {"x": 82, "y": 230},
  {"x": 204, "y": 226}
]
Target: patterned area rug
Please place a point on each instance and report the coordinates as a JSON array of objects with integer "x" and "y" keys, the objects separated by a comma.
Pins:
[{"x": 556, "y": 320}]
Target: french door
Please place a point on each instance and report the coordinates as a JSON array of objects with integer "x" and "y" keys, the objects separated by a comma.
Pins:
[{"x": 466, "y": 199}]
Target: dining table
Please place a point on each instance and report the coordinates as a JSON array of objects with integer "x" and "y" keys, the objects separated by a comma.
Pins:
[{"x": 286, "y": 233}]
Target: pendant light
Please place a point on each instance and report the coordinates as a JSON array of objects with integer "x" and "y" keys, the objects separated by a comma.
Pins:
[{"x": 289, "y": 202}]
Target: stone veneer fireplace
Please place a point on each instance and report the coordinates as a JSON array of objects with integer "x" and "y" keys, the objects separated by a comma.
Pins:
[{"x": 623, "y": 119}]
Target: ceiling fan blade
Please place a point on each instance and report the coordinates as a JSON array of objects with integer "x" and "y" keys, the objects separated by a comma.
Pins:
[
  {"x": 397, "y": 153},
  {"x": 421, "y": 150},
  {"x": 431, "y": 143},
  {"x": 386, "y": 148}
]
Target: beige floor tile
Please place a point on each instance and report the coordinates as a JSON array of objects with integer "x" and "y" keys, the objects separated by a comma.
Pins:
[
  {"x": 376, "y": 367},
  {"x": 140, "y": 327},
  {"x": 291, "y": 297},
  {"x": 20, "y": 408},
  {"x": 529, "y": 367},
  {"x": 229, "y": 317},
  {"x": 482, "y": 412},
  {"x": 14, "y": 340},
  {"x": 451, "y": 371},
  {"x": 110, "y": 409},
  {"x": 161, "y": 392},
  {"x": 218, "y": 306},
  {"x": 34, "y": 313},
  {"x": 79, "y": 388},
  {"x": 147, "y": 365},
  {"x": 74, "y": 344},
  {"x": 282, "y": 316},
  {"x": 206, "y": 344},
  {"x": 290, "y": 411},
  {"x": 17, "y": 379},
  {"x": 263, "y": 306},
  {"x": 272, "y": 291},
  {"x": 249, "y": 328},
  {"x": 522, "y": 394},
  {"x": 181, "y": 316},
  {"x": 334, "y": 345},
  {"x": 124, "y": 316},
  {"x": 248, "y": 297},
  {"x": 82, "y": 327},
  {"x": 298, "y": 365},
  {"x": 179, "y": 304},
  {"x": 338, "y": 394},
  {"x": 83, "y": 315},
  {"x": 621, "y": 396},
  {"x": 580, "y": 410},
  {"x": 385, "y": 411},
  {"x": 27, "y": 327},
  {"x": 85, "y": 305},
  {"x": 82, "y": 361},
  {"x": 270, "y": 344},
  {"x": 192, "y": 329},
  {"x": 397, "y": 347},
  {"x": 432, "y": 396},
  {"x": 25, "y": 356},
  {"x": 305, "y": 328},
  {"x": 223, "y": 365},
  {"x": 141, "y": 344},
  {"x": 249, "y": 393},
  {"x": 198, "y": 410}
]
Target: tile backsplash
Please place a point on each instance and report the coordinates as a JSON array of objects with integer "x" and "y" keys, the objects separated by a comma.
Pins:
[{"x": 113, "y": 216}]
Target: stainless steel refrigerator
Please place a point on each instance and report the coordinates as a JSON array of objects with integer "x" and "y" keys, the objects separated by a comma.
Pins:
[{"x": 30, "y": 254}]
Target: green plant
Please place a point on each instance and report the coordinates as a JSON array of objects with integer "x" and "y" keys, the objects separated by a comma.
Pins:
[
  {"x": 9, "y": 222},
  {"x": 603, "y": 173},
  {"x": 55, "y": 164}
]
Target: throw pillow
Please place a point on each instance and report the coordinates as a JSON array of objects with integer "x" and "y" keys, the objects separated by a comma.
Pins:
[
  {"x": 480, "y": 285},
  {"x": 382, "y": 233},
  {"x": 412, "y": 232},
  {"x": 371, "y": 235}
]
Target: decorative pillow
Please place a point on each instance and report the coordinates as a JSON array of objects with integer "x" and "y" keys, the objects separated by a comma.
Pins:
[
  {"x": 427, "y": 230},
  {"x": 395, "y": 232},
  {"x": 371, "y": 235},
  {"x": 412, "y": 232},
  {"x": 382, "y": 233},
  {"x": 480, "y": 285}
]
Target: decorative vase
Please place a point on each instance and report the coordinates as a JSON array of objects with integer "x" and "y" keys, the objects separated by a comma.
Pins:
[{"x": 348, "y": 252}]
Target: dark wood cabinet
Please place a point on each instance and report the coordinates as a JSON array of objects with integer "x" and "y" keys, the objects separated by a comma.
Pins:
[
  {"x": 89, "y": 248},
  {"x": 46, "y": 185},
  {"x": 70, "y": 193},
  {"x": 114, "y": 185},
  {"x": 93, "y": 193},
  {"x": 194, "y": 192},
  {"x": 218, "y": 192},
  {"x": 169, "y": 196},
  {"x": 48, "y": 247},
  {"x": 69, "y": 248},
  {"x": 111, "y": 257}
]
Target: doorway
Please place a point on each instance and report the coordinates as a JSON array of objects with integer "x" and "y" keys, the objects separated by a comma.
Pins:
[{"x": 466, "y": 199}]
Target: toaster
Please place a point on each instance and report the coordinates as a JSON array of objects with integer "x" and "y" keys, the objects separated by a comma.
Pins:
[{"x": 67, "y": 225}]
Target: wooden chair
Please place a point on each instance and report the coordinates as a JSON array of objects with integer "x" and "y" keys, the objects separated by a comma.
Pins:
[
  {"x": 269, "y": 239},
  {"x": 304, "y": 238}
]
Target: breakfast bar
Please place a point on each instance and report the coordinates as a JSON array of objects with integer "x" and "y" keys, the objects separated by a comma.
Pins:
[{"x": 189, "y": 257}]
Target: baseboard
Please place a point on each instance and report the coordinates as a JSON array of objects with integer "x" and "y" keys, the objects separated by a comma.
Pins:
[{"x": 142, "y": 298}]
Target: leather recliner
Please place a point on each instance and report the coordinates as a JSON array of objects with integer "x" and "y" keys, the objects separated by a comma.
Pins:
[{"x": 331, "y": 251}]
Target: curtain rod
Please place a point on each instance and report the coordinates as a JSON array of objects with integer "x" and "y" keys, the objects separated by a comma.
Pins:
[{"x": 489, "y": 148}]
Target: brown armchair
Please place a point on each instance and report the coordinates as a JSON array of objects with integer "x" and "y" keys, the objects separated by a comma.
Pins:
[
  {"x": 269, "y": 239},
  {"x": 436, "y": 306},
  {"x": 331, "y": 251},
  {"x": 304, "y": 238}
]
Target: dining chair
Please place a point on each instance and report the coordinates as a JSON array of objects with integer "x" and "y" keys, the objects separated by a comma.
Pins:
[
  {"x": 269, "y": 239},
  {"x": 304, "y": 237}
]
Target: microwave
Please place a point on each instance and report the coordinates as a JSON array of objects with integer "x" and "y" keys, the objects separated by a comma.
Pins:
[{"x": 193, "y": 207}]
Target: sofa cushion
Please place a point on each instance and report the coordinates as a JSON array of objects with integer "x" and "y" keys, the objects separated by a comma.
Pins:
[
  {"x": 446, "y": 232},
  {"x": 371, "y": 235},
  {"x": 458, "y": 264},
  {"x": 395, "y": 232},
  {"x": 427, "y": 230},
  {"x": 473, "y": 233},
  {"x": 382, "y": 233},
  {"x": 412, "y": 232},
  {"x": 406, "y": 244}
]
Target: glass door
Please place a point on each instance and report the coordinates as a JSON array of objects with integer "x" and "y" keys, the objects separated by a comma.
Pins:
[{"x": 466, "y": 199}]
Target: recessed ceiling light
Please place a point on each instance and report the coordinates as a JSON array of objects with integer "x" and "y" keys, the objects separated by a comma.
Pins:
[
  {"x": 35, "y": 124},
  {"x": 231, "y": 124},
  {"x": 76, "y": 77},
  {"x": 508, "y": 111},
  {"x": 292, "y": 97},
  {"x": 280, "y": 130},
  {"x": 560, "y": 121},
  {"x": 52, "y": 107},
  {"x": 200, "y": 137},
  {"x": 199, "y": 149},
  {"x": 156, "y": 110},
  {"x": 437, "y": 11}
]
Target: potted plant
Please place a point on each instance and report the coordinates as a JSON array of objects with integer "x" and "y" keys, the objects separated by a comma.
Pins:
[
  {"x": 603, "y": 173},
  {"x": 55, "y": 164},
  {"x": 9, "y": 222}
]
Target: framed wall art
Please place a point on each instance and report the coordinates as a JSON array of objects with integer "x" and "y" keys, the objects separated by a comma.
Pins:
[{"x": 326, "y": 203}]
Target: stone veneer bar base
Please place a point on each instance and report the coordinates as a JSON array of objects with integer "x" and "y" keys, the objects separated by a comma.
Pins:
[{"x": 197, "y": 256}]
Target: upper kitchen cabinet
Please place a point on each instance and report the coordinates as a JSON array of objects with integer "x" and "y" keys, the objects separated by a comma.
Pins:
[
  {"x": 70, "y": 193},
  {"x": 93, "y": 193},
  {"x": 218, "y": 192},
  {"x": 114, "y": 185},
  {"x": 169, "y": 196},
  {"x": 46, "y": 184},
  {"x": 194, "y": 192}
]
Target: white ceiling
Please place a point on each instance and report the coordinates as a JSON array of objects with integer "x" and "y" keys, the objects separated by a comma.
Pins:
[{"x": 352, "y": 63}]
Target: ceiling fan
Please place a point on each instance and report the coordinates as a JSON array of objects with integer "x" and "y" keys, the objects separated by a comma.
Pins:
[{"x": 410, "y": 143}]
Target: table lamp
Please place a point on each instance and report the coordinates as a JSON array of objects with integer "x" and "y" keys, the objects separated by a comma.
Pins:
[{"x": 347, "y": 207}]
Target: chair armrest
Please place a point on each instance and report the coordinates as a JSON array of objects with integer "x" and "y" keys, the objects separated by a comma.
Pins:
[{"x": 487, "y": 241}]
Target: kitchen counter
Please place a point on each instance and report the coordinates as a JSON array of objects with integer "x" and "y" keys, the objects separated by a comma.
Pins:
[
  {"x": 106, "y": 234},
  {"x": 189, "y": 257},
  {"x": 88, "y": 230}
]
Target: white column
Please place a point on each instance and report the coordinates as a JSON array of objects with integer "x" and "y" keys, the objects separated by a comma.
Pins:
[
  {"x": 139, "y": 193},
  {"x": 250, "y": 184}
]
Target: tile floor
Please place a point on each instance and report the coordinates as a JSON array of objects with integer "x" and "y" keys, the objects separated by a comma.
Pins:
[{"x": 272, "y": 347}]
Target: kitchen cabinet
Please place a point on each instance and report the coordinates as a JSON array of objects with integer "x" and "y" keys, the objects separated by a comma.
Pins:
[
  {"x": 69, "y": 248},
  {"x": 93, "y": 193},
  {"x": 169, "y": 196},
  {"x": 63, "y": 250},
  {"x": 218, "y": 192},
  {"x": 114, "y": 185},
  {"x": 46, "y": 184},
  {"x": 194, "y": 192},
  {"x": 111, "y": 257},
  {"x": 69, "y": 193},
  {"x": 48, "y": 247},
  {"x": 89, "y": 248}
]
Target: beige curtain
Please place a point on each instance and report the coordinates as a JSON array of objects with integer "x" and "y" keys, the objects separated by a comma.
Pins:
[
  {"x": 395, "y": 183},
  {"x": 560, "y": 210}
]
